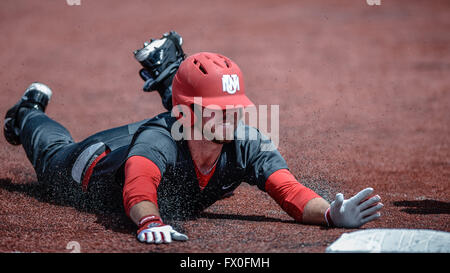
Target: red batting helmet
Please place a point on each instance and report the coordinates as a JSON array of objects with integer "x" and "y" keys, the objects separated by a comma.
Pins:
[{"x": 214, "y": 78}]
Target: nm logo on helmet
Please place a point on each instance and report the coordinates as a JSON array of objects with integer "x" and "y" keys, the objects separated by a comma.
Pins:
[{"x": 230, "y": 83}]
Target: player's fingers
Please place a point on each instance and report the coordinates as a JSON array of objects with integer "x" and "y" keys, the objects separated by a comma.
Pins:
[
  {"x": 141, "y": 237},
  {"x": 158, "y": 237},
  {"x": 360, "y": 196},
  {"x": 148, "y": 237},
  {"x": 167, "y": 238},
  {"x": 371, "y": 210},
  {"x": 145, "y": 237},
  {"x": 369, "y": 202},
  {"x": 370, "y": 218},
  {"x": 339, "y": 200},
  {"x": 178, "y": 236}
]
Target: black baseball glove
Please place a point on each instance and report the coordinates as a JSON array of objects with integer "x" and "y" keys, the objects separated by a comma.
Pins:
[{"x": 160, "y": 60}]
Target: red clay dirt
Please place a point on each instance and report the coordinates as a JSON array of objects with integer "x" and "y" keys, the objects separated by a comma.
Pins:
[{"x": 364, "y": 97}]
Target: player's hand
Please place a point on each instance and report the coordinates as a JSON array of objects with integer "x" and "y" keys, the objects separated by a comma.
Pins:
[
  {"x": 153, "y": 230},
  {"x": 354, "y": 212}
]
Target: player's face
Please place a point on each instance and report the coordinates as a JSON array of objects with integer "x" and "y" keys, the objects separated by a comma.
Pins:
[{"x": 219, "y": 125}]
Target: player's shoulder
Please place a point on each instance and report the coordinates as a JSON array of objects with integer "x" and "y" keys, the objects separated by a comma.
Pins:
[{"x": 154, "y": 141}]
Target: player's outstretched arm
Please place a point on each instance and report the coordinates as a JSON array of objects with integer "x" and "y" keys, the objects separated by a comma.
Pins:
[{"x": 307, "y": 207}]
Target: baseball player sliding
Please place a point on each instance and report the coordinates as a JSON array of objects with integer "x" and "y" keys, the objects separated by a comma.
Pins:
[{"x": 157, "y": 176}]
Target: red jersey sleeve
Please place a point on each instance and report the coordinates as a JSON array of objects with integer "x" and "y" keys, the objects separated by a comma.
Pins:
[
  {"x": 289, "y": 193},
  {"x": 142, "y": 178}
]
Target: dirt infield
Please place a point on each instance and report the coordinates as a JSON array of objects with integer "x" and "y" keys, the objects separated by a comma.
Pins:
[{"x": 364, "y": 95}]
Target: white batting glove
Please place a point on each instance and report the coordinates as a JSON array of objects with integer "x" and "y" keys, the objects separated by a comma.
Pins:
[
  {"x": 354, "y": 212},
  {"x": 153, "y": 230}
]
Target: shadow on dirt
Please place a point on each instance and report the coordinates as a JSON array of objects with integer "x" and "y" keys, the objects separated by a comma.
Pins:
[
  {"x": 112, "y": 218},
  {"x": 423, "y": 206},
  {"x": 254, "y": 218}
]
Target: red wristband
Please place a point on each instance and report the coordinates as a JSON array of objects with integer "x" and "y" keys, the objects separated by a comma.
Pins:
[
  {"x": 328, "y": 218},
  {"x": 150, "y": 219}
]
